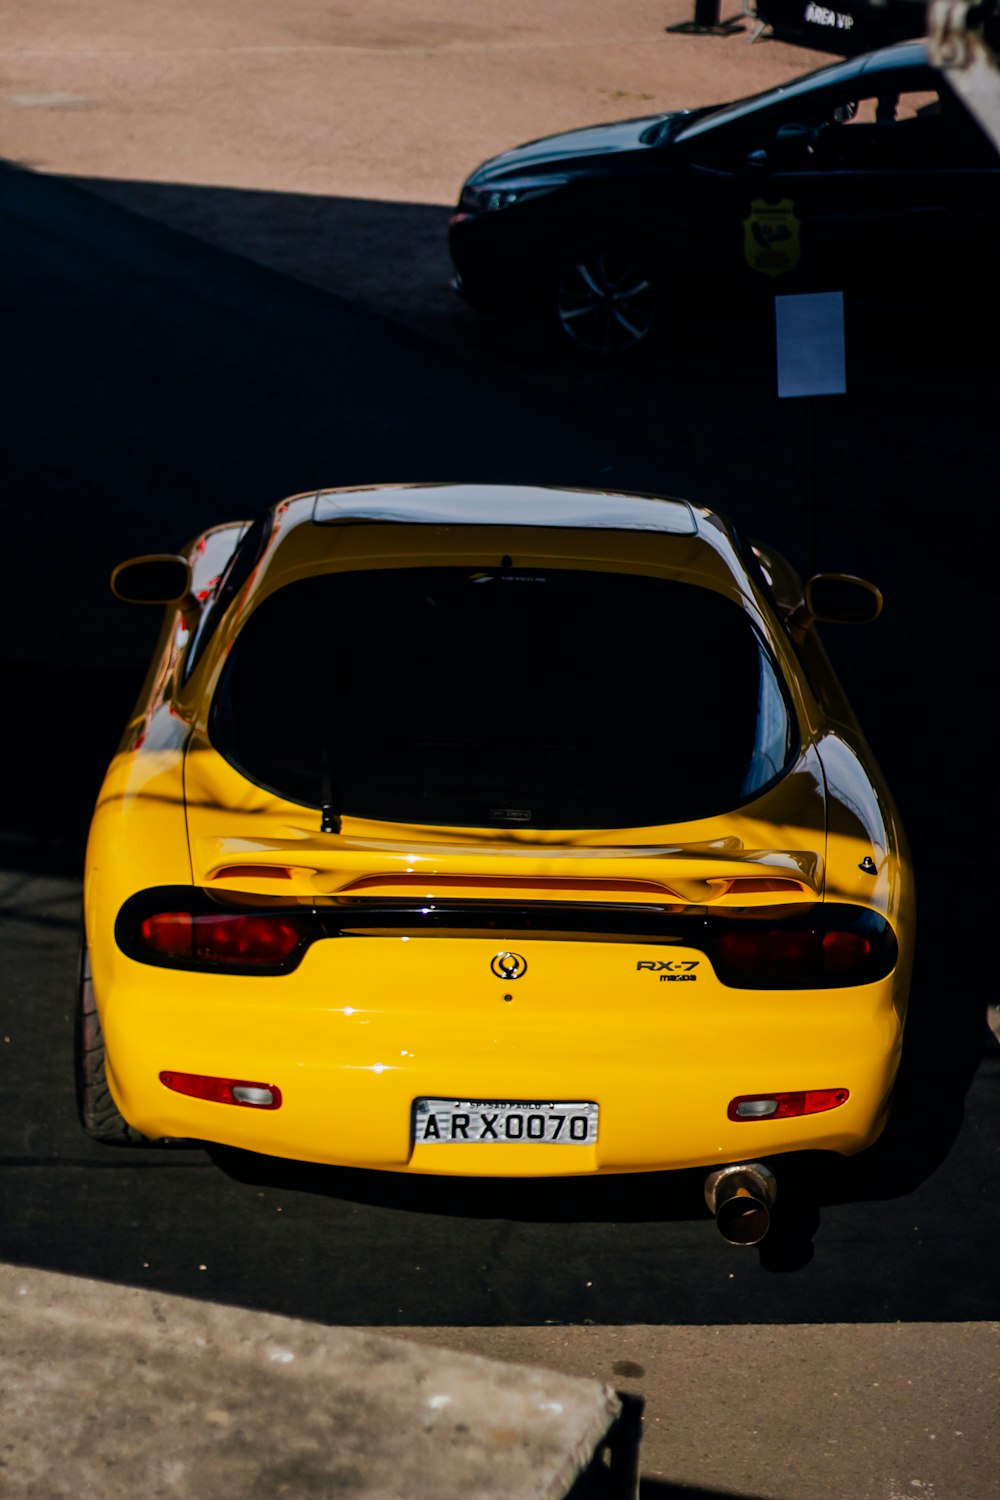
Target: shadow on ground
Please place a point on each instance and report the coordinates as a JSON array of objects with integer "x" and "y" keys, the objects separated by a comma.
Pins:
[{"x": 159, "y": 386}]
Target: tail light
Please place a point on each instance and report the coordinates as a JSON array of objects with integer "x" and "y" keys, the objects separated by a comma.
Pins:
[
  {"x": 826, "y": 947},
  {"x": 785, "y": 1106},
  {"x": 843, "y": 951},
  {"x": 254, "y": 938},
  {"x": 798, "y": 946},
  {"x": 223, "y": 1090},
  {"x": 788, "y": 954},
  {"x": 182, "y": 927}
]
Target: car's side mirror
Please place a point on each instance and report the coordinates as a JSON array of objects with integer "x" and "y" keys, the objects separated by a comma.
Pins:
[
  {"x": 794, "y": 144},
  {"x": 157, "y": 578},
  {"x": 836, "y": 598}
]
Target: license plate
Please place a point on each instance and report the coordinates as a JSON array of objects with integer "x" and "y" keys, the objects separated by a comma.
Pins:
[{"x": 504, "y": 1121}]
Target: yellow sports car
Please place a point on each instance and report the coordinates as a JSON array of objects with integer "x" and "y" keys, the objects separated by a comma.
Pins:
[{"x": 495, "y": 831}]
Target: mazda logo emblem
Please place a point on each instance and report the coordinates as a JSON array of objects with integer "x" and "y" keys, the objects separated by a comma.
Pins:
[{"x": 509, "y": 965}]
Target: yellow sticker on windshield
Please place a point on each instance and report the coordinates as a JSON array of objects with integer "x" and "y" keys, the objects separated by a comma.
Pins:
[{"x": 771, "y": 242}]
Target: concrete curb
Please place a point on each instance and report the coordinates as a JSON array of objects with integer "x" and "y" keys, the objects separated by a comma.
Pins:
[{"x": 116, "y": 1392}]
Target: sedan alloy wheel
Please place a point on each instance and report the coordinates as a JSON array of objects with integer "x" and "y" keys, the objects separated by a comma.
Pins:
[{"x": 605, "y": 302}]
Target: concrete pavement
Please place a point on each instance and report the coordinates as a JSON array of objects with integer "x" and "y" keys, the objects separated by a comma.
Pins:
[
  {"x": 112, "y": 1393},
  {"x": 837, "y": 1411}
]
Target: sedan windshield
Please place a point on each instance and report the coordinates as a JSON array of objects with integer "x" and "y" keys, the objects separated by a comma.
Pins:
[
  {"x": 831, "y": 75},
  {"x": 496, "y": 698}
]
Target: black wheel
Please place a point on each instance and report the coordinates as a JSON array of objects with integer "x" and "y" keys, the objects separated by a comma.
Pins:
[
  {"x": 99, "y": 1114},
  {"x": 606, "y": 302}
]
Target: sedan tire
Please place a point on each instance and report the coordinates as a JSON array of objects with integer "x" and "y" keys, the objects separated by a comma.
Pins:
[{"x": 606, "y": 302}]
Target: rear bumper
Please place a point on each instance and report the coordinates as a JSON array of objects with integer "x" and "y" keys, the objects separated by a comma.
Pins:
[{"x": 365, "y": 1027}]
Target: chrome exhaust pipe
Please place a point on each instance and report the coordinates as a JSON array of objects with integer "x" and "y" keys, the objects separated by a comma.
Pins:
[{"x": 741, "y": 1198}]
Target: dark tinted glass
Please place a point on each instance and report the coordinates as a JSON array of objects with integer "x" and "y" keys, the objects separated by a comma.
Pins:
[
  {"x": 556, "y": 699},
  {"x": 245, "y": 558}
]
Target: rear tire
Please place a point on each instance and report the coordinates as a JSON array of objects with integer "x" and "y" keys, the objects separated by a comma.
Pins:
[{"x": 99, "y": 1115}]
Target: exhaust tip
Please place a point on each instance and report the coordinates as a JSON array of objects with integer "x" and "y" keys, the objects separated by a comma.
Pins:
[
  {"x": 743, "y": 1219},
  {"x": 741, "y": 1198}
]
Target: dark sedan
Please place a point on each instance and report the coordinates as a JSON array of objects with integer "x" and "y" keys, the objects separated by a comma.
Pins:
[{"x": 868, "y": 176}]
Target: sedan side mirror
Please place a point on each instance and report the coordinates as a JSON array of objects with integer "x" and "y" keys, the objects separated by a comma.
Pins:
[
  {"x": 157, "y": 578},
  {"x": 794, "y": 144},
  {"x": 837, "y": 598}
]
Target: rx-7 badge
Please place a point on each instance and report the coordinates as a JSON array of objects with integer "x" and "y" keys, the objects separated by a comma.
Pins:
[{"x": 670, "y": 968}]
